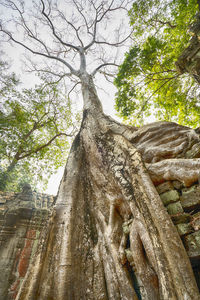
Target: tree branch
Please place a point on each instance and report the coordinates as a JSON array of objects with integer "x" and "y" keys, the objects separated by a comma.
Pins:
[
  {"x": 164, "y": 23},
  {"x": 165, "y": 82},
  {"x": 73, "y": 27},
  {"x": 44, "y": 145},
  {"x": 79, "y": 82},
  {"x": 103, "y": 65},
  {"x": 73, "y": 71},
  {"x": 53, "y": 29},
  {"x": 27, "y": 29},
  {"x": 114, "y": 44}
]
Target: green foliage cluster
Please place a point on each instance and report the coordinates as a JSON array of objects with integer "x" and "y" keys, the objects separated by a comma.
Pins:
[
  {"x": 148, "y": 82},
  {"x": 35, "y": 125}
]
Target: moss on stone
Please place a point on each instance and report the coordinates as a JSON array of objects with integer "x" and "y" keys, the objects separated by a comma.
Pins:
[
  {"x": 169, "y": 197},
  {"x": 164, "y": 187},
  {"x": 174, "y": 208},
  {"x": 184, "y": 228},
  {"x": 181, "y": 218}
]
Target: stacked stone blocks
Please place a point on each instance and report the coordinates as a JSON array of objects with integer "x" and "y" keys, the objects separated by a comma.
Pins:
[{"x": 183, "y": 205}]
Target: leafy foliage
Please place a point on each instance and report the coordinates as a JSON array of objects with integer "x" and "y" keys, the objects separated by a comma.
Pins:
[
  {"x": 148, "y": 82},
  {"x": 35, "y": 125}
]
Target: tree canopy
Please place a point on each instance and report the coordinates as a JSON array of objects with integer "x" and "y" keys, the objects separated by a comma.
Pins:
[
  {"x": 34, "y": 127},
  {"x": 148, "y": 82}
]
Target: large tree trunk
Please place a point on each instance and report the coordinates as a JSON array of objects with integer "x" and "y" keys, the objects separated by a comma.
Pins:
[{"x": 110, "y": 232}]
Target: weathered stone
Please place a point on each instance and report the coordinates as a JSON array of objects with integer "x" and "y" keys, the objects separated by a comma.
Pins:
[
  {"x": 196, "y": 221},
  {"x": 22, "y": 230},
  {"x": 177, "y": 184},
  {"x": 174, "y": 208},
  {"x": 164, "y": 187},
  {"x": 190, "y": 198},
  {"x": 181, "y": 218},
  {"x": 169, "y": 197},
  {"x": 28, "y": 199},
  {"x": 192, "y": 244},
  {"x": 184, "y": 229},
  {"x": 186, "y": 191},
  {"x": 26, "y": 188},
  {"x": 27, "y": 204},
  {"x": 2, "y": 200}
]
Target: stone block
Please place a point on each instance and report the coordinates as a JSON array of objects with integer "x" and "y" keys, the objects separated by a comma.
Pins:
[
  {"x": 196, "y": 221},
  {"x": 26, "y": 204},
  {"x": 169, "y": 197},
  {"x": 2, "y": 200},
  {"x": 187, "y": 191},
  {"x": 51, "y": 199},
  {"x": 181, "y": 218},
  {"x": 192, "y": 244},
  {"x": 190, "y": 198},
  {"x": 164, "y": 187},
  {"x": 2, "y": 212},
  {"x": 184, "y": 229},
  {"x": 177, "y": 184},
  {"x": 174, "y": 208}
]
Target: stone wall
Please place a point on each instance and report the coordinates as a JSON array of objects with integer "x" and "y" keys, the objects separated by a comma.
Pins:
[
  {"x": 183, "y": 205},
  {"x": 25, "y": 199},
  {"x": 24, "y": 224}
]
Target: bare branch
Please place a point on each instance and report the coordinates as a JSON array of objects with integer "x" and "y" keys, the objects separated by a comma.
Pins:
[
  {"x": 53, "y": 82},
  {"x": 99, "y": 17},
  {"x": 164, "y": 23},
  {"x": 79, "y": 82},
  {"x": 103, "y": 65},
  {"x": 27, "y": 28},
  {"x": 72, "y": 25},
  {"x": 81, "y": 27},
  {"x": 82, "y": 15},
  {"x": 73, "y": 71},
  {"x": 53, "y": 29},
  {"x": 92, "y": 34},
  {"x": 50, "y": 72},
  {"x": 114, "y": 44}
]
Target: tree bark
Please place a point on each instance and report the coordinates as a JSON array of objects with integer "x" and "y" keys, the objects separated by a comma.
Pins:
[{"x": 87, "y": 254}]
